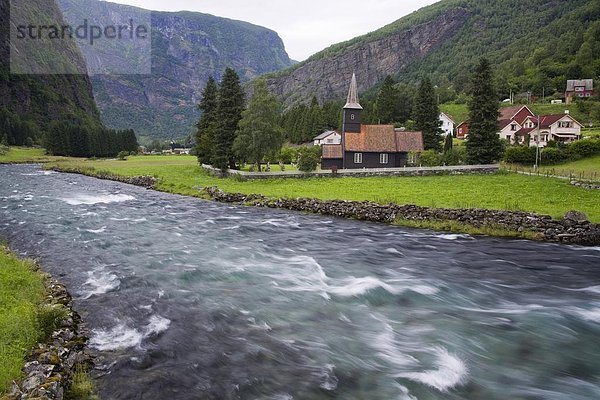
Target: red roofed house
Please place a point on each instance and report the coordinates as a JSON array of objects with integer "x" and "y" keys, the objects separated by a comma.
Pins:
[
  {"x": 462, "y": 130},
  {"x": 557, "y": 127},
  {"x": 369, "y": 146},
  {"x": 515, "y": 123},
  {"x": 582, "y": 88}
]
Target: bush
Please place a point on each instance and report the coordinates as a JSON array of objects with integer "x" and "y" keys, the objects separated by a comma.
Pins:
[
  {"x": 430, "y": 158},
  {"x": 3, "y": 149},
  {"x": 308, "y": 159},
  {"x": 122, "y": 155},
  {"x": 287, "y": 155},
  {"x": 520, "y": 154},
  {"x": 583, "y": 148},
  {"x": 455, "y": 156},
  {"x": 552, "y": 155}
]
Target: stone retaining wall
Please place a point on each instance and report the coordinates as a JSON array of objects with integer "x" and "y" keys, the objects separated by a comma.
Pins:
[
  {"x": 574, "y": 228},
  {"x": 408, "y": 171}
]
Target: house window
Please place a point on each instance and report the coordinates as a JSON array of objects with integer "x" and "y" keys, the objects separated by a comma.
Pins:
[
  {"x": 383, "y": 158},
  {"x": 508, "y": 137},
  {"x": 329, "y": 140},
  {"x": 513, "y": 127},
  {"x": 460, "y": 130},
  {"x": 357, "y": 158}
]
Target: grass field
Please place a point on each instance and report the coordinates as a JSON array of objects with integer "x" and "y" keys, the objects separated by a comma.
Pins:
[
  {"x": 181, "y": 174},
  {"x": 21, "y": 293},
  {"x": 17, "y": 155},
  {"x": 588, "y": 168}
]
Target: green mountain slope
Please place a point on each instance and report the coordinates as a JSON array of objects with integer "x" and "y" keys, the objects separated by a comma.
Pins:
[
  {"x": 39, "y": 99},
  {"x": 534, "y": 46},
  {"x": 187, "y": 48}
]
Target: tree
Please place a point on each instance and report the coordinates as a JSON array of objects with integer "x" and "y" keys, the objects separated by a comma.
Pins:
[
  {"x": 448, "y": 143},
  {"x": 388, "y": 102},
  {"x": 259, "y": 134},
  {"x": 207, "y": 126},
  {"x": 308, "y": 158},
  {"x": 483, "y": 143},
  {"x": 427, "y": 116},
  {"x": 229, "y": 113}
]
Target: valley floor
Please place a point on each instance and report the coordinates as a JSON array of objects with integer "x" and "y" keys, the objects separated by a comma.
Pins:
[{"x": 501, "y": 191}]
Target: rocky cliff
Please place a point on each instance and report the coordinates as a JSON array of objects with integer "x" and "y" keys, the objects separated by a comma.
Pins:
[
  {"x": 41, "y": 98},
  {"x": 187, "y": 48},
  {"x": 327, "y": 77}
]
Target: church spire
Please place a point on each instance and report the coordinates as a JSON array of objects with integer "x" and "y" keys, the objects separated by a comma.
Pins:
[{"x": 352, "y": 101}]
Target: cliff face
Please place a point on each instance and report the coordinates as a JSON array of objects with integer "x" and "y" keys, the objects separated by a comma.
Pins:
[
  {"x": 187, "y": 48},
  {"x": 328, "y": 77},
  {"x": 43, "y": 97}
]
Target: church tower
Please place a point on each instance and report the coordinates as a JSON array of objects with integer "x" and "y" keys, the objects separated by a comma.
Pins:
[{"x": 352, "y": 109}]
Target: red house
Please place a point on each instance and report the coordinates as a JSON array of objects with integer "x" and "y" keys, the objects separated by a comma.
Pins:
[
  {"x": 462, "y": 130},
  {"x": 582, "y": 88}
]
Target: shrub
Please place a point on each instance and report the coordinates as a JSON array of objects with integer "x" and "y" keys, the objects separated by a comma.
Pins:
[
  {"x": 455, "y": 156},
  {"x": 552, "y": 155},
  {"x": 583, "y": 148},
  {"x": 122, "y": 155},
  {"x": 3, "y": 149},
  {"x": 430, "y": 158},
  {"x": 520, "y": 154},
  {"x": 288, "y": 154},
  {"x": 308, "y": 159}
]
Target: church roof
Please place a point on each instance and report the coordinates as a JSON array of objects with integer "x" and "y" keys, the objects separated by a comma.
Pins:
[
  {"x": 383, "y": 139},
  {"x": 352, "y": 101}
]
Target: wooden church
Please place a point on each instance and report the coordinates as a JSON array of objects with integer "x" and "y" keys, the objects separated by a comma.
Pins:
[{"x": 368, "y": 146}]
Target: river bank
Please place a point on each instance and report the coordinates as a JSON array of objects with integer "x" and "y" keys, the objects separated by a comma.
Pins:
[
  {"x": 38, "y": 314},
  {"x": 573, "y": 228}
]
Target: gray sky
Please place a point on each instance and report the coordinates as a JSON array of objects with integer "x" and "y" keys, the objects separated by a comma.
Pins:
[{"x": 305, "y": 26}]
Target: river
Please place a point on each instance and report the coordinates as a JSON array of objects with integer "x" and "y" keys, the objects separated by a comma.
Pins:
[{"x": 189, "y": 299}]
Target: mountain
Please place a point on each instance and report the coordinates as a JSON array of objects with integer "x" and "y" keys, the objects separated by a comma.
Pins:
[
  {"x": 187, "y": 48},
  {"x": 36, "y": 98},
  {"x": 534, "y": 46}
]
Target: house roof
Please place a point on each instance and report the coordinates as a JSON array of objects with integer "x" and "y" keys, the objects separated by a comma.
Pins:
[
  {"x": 332, "y": 151},
  {"x": 547, "y": 120},
  {"x": 325, "y": 135},
  {"x": 524, "y": 131},
  {"x": 503, "y": 123},
  {"x": 447, "y": 116},
  {"x": 587, "y": 83},
  {"x": 383, "y": 139},
  {"x": 509, "y": 113}
]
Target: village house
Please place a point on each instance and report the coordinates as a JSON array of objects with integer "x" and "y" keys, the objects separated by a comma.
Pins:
[
  {"x": 447, "y": 124},
  {"x": 518, "y": 124},
  {"x": 328, "y": 137},
  {"x": 369, "y": 146},
  {"x": 579, "y": 88}
]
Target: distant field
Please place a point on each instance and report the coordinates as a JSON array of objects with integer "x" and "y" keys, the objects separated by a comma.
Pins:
[
  {"x": 181, "y": 174},
  {"x": 18, "y": 155},
  {"x": 588, "y": 168}
]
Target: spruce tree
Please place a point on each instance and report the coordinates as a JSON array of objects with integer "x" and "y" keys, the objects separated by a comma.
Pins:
[
  {"x": 387, "y": 103},
  {"x": 260, "y": 133},
  {"x": 448, "y": 144},
  {"x": 229, "y": 113},
  {"x": 483, "y": 143},
  {"x": 427, "y": 116},
  {"x": 205, "y": 134}
]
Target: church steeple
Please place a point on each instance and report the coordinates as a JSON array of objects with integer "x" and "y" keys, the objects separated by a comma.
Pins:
[
  {"x": 352, "y": 109},
  {"x": 352, "y": 101}
]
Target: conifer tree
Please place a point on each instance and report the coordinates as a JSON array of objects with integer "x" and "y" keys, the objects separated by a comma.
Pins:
[
  {"x": 205, "y": 135},
  {"x": 427, "y": 116},
  {"x": 229, "y": 113},
  {"x": 260, "y": 133},
  {"x": 448, "y": 144},
  {"x": 483, "y": 143},
  {"x": 387, "y": 103}
]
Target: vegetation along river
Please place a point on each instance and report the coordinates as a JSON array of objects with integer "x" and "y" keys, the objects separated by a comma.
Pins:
[{"x": 188, "y": 299}]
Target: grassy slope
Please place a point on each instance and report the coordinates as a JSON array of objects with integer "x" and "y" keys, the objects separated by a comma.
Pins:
[
  {"x": 21, "y": 292},
  {"x": 588, "y": 168},
  {"x": 181, "y": 174}
]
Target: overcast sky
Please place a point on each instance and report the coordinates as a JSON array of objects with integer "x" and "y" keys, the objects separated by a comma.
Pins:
[{"x": 305, "y": 26}]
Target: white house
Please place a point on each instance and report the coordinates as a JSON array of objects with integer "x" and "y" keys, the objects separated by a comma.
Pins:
[
  {"x": 447, "y": 124},
  {"x": 328, "y": 137},
  {"x": 557, "y": 127}
]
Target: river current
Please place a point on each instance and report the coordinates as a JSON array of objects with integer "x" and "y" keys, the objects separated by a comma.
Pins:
[{"x": 189, "y": 299}]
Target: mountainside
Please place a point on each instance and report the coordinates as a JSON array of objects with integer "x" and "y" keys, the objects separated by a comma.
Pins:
[
  {"x": 534, "y": 46},
  {"x": 187, "y": 48},
  {"x": 39, "y": 99}
]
